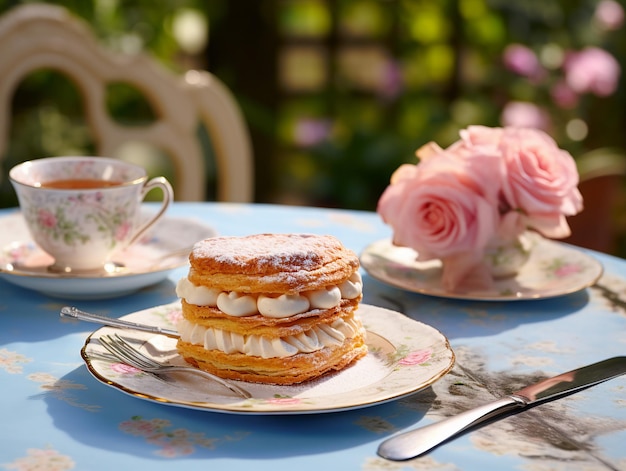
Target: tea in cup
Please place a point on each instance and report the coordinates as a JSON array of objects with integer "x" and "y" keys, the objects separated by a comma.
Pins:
[{"x": 81, "y": 210}]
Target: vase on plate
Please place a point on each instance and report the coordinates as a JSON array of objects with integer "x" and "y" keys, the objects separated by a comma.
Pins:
[{"x": 505, "y": 257}]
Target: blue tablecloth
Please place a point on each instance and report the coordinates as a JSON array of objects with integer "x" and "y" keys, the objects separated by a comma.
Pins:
[{"x": 55, "y": 415}]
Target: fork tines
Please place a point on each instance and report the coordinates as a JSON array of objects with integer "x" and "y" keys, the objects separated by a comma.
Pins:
[
  {"x": 123, "y": 350},
  {"x": 128, "y": 354}
]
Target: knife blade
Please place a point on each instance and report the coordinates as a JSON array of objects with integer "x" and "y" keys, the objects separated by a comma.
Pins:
[{"x": 416, "y": 442}]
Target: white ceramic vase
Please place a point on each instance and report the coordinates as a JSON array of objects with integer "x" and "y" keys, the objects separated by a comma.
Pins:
[{"x": 506, "y": 257}]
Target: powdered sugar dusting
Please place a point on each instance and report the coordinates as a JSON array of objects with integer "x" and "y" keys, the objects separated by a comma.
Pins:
[
  {"x": 290, "y": 262},
  {"x": 273, "y": 250}
]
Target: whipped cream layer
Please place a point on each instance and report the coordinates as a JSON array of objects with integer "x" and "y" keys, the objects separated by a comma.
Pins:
[
  {"x": 285, "y": 305},
  {"x": 320, "y": 336}
]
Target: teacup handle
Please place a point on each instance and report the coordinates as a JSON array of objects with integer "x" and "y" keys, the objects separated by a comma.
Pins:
[{"x": 168, "y": 197}]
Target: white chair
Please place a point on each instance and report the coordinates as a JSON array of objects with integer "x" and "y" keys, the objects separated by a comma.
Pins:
[{"x": 42, "y": 36}]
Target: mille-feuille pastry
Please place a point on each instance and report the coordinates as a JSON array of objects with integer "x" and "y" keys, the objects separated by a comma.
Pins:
[{"x": 271, "y": 308}]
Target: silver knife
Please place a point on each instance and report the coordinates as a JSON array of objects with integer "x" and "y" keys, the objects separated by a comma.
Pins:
[
  {"x": 416, "y": 442},
  {"x": 76, "y": 313}
]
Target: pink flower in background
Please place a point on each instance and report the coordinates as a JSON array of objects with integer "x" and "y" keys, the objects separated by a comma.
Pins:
[
  {"x": 563, "y": 95},
  {"x": 525, "y": 115},
  {"x": 609, "y": 15},
  {"x": 592, "y": 70},
  {"x": 391, "y": 83},
  {"x": 310, "y": 132},
  {"x": 46, "y": 218},
  {"x": 523, "y": 61}
]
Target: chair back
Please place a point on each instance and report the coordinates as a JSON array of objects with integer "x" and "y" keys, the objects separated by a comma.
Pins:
[{"x": 42, "y": 36}]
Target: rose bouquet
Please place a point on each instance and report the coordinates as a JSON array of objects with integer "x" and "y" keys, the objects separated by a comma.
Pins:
[{"x": 493, "y": 184}]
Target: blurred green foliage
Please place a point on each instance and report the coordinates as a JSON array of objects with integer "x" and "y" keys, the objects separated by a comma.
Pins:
[
  {"x": 435, "y": 68},
  {"x": 446, "y": 71},
  {"x": 48, "y": 116}
]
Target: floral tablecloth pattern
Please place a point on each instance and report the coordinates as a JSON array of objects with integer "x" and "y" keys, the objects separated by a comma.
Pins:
[{"x": 55, "y": 416}]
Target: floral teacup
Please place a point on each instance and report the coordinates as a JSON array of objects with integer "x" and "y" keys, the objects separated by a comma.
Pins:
[{"x": 81, "y": 210}]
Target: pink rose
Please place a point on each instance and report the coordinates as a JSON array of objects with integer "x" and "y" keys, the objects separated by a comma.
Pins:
[
  {"x": 541, "y": 183},
  {"x": 609, "y": 15},
  {"x": 391, "y": 83},
  {"x": 480, "y": 137},
  {"x": 492, "y": 184},
  {"x": 442, "y": 206},
  {"x": 523, "y": 114},
  {"x": 592, "y": 70},
  {"x": 310, "y": 132},
  {"x": 563, "y": 95},
  {"x": 523, "y": 61}
]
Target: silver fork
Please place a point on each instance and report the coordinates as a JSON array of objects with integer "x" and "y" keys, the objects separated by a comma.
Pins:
[{"x": 128, "y": 354}]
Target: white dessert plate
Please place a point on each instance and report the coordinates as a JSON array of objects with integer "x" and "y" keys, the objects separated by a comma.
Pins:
[
  {"x": 165, "y": 247},
  {"x": 404, "y": 357},
  {"x": 554, "y": 269}
]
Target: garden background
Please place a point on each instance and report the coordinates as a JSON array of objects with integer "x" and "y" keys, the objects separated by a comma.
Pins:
[{"x": 339, "y": 93}]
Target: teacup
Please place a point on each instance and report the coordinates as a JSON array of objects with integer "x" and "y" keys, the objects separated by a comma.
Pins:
[{"x": 81, "y": 210}]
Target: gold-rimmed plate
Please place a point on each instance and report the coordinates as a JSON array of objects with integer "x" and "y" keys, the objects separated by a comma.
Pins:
[
  {"x": 404, "y": 357},
  {"x": 554, "y": 269}
]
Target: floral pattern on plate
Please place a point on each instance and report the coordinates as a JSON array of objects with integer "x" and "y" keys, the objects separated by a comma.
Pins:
[
  {"x": 554, "y": 269},
  {"x": 404, "y": 356}
]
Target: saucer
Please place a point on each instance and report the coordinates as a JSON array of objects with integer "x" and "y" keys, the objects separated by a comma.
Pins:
[
  {"x": 164, "y": 248},
  {"x": 554, "y": 269}
]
